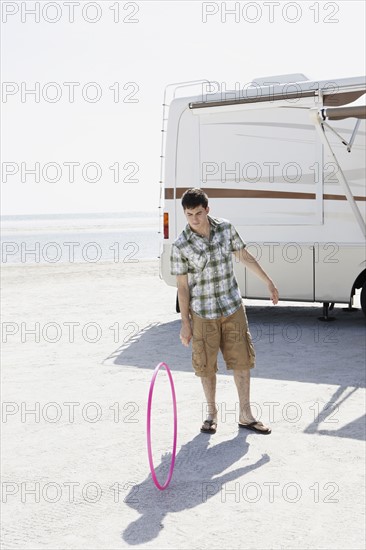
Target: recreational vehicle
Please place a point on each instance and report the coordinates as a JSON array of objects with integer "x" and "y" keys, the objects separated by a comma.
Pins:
[{"x": 283, "y": 159}]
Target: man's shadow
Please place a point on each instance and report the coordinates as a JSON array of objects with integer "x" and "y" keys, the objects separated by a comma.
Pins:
[{"x": 195, "y": 479}]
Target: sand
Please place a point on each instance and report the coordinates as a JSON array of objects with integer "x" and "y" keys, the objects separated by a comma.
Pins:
[{"x": 75, "y": 472}]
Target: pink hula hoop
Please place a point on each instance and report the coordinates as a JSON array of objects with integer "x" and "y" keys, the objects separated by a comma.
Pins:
[{"x": 149, "y": 451}]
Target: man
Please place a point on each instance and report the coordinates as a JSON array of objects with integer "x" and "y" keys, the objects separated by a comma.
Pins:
[{"x": 211, "y": 306}]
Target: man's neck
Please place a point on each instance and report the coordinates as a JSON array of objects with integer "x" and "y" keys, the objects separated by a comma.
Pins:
[{"x": 206, "y": 231}]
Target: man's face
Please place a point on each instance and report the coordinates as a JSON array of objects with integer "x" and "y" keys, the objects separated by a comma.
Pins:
[{"x": 197, "y": 218}]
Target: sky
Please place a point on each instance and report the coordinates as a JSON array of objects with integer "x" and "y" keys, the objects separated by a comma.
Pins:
[{"x": 91, "y": 132}]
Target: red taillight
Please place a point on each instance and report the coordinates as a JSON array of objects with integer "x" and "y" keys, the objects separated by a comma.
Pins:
[{"x": 166, "y": 225}]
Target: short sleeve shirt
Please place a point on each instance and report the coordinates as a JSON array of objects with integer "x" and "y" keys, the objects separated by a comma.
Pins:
[{"x": 214, "y": 291}]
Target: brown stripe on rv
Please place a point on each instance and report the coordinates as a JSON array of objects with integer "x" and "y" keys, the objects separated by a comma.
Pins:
[
  {"x": 341, "y": 198},
  {"x": 215, "y": 193}
]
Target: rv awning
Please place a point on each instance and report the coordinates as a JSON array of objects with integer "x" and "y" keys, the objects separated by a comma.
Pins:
[
  {"x": 259, "y": 99},
  {"x": 358, "y": 111},
  {"x": 341, "y": 98},
  {"x": 330, "y": 99}
]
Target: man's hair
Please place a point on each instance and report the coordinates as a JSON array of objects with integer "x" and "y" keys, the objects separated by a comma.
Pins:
[{"x": 194, "y": 197}]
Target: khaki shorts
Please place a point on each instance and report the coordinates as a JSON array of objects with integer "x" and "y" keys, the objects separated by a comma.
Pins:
[{"x": 228, "y": 334}]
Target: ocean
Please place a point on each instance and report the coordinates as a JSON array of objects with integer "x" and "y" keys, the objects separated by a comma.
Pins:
[{"x": 90, "y": 238}]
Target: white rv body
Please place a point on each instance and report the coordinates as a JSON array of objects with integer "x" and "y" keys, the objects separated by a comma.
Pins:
[{"x": 285, "y": 163}]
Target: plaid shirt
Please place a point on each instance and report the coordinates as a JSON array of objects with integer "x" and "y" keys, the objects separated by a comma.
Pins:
[{"x": 214, "y": 291}]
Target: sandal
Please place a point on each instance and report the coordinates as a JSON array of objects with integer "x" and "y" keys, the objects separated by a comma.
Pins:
[
  {"x": 253, "y": 426},
  {"x": 209, "y": 427}
]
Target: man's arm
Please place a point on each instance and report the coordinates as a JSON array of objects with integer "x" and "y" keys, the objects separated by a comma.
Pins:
[
  {"x": 251, "y": 263},
  {"x": 183, "y": 298}
]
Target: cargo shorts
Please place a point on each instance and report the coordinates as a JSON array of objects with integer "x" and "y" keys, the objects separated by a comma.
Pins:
[{"x": 230, "y": 335}]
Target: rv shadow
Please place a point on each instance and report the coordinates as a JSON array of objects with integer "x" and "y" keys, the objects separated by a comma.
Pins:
[
  {"x": 290, "y": 343},
  {"x": 196, "y": 479}
]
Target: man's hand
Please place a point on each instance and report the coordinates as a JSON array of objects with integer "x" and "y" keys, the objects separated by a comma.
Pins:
[
  {"x": 186, "y": 333},
  {"x": 251, "y": 263},
  {"x": 273, "y": 292}
]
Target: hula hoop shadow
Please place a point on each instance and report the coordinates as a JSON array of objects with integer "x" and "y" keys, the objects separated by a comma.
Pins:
[{"x": 148, "y": 428}]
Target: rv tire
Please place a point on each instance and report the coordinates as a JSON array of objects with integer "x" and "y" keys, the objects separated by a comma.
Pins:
[{"x": 363, "y": 298}]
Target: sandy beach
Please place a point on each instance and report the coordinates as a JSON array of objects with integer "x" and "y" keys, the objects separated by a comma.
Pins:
[{"x": 79, "y": 346}]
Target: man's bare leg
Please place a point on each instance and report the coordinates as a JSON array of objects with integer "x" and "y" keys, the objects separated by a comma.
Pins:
[
  {"x": 209, "y": 388},
  {"x": 242, "y": 381}
]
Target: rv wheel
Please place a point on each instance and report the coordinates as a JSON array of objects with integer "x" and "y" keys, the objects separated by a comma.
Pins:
[{"x": 363, "y": 298}]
